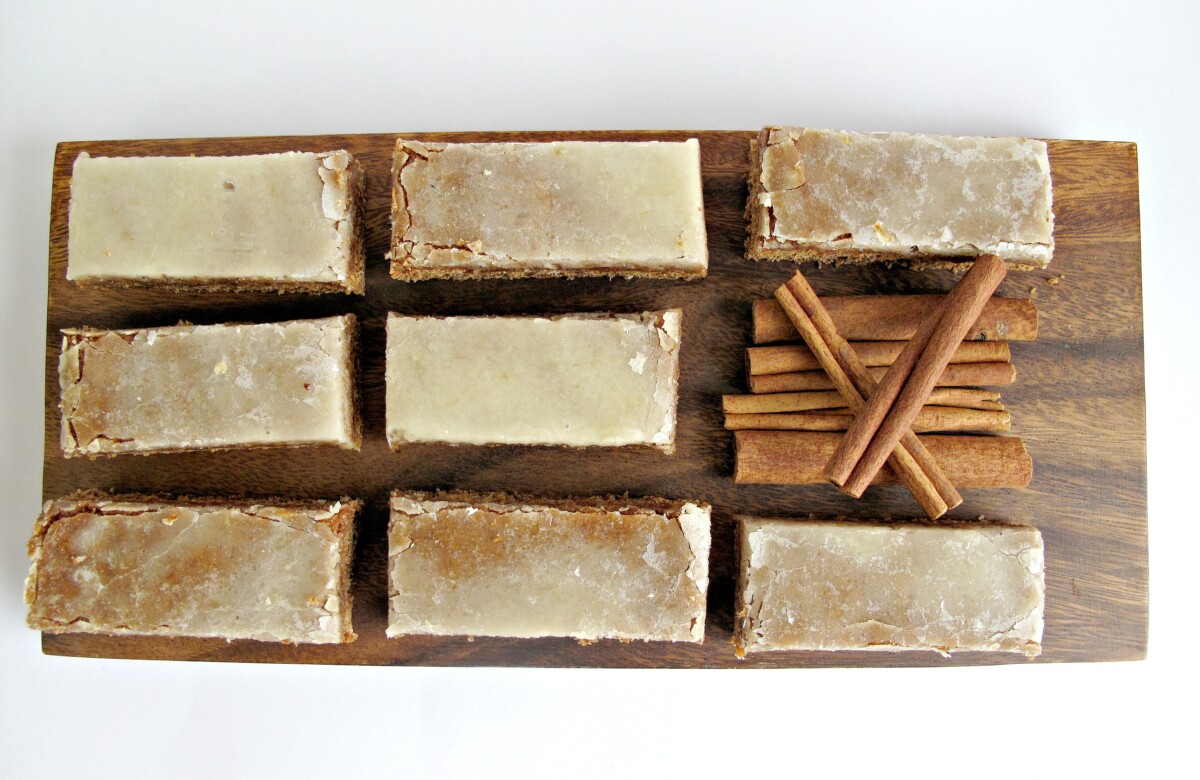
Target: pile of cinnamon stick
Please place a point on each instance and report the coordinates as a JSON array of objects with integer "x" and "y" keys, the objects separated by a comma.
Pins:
[{"x": 883, "y": 368}]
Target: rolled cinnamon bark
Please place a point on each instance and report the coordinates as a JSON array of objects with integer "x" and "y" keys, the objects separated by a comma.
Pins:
[
  {"x": 771, "y": 403},
  {"x": 913, "y": 465},
  {"x": 799, "y": 458},
  {"x": 955, "y": 375},
  {"x": 789, "y": 358},
  {"x": 897, "y": 317},
  {"x": 929, "y": 419},
  {"x": 902, "y": 392}
]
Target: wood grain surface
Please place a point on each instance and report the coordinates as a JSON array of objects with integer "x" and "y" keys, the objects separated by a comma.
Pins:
[{"x": 1079, "y": 404}]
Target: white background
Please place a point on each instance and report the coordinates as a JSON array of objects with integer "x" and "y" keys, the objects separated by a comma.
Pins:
[{"x": 1100, "y": 70}]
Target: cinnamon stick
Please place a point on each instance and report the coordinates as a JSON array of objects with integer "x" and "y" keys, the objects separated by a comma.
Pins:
[
  {"x": 943, "y": 419},
  {"x": 789, "y": 358},
  {"x": 902, "y": 392},
  {"x": 799, "y": 458},
  {"x": 913, "y": 465},
  {"x": 955, "y": 375},
  {"x": 770, "y": 403},
  {"x": 897, "y": 317}
]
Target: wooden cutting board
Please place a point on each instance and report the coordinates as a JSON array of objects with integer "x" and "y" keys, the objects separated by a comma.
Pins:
[{"x": 1079, "y": 403}]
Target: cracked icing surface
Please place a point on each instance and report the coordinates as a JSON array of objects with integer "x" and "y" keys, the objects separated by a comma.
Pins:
[
  {"x": 559, "y": 208},
  {"x": 283, "y": 218},
  {"x": 236, "y": 572},
  {"x": 807, "y": 585},
  {"x": 212, "y": 386},
  {"x": 576, "y": 380},
  {"x": 829, "y": 194},
  {"x": 594, "y": 568}
]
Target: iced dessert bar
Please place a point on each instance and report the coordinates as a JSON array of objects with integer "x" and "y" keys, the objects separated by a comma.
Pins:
[
  {"x": 576, "y": 380},
  {"x": 810, "y": 585},
  {"x": 925, "y": 200},
  {"x": 276, "y": 571},
  {"x": 567, "y": 208},
  {"x": 287, "y": 222},
  {"x": 595, "y": 568},
  {"x": 208, "y": 387}
]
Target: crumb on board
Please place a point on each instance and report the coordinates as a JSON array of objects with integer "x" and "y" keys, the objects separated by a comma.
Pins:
[{"x": 1055, "y": 279}]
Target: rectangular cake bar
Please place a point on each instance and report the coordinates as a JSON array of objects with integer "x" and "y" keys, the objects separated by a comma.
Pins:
[
  {"x": 206, "y": 387},
  {"x": 594, "y": 568},
  {"x": 925, "y": 200},
  {"x": 816, "y": 585},
  {"x": 569, "y": 208},
  {"x": 289, "y": 222},
  {"x": 276, "y": 571},
  {"x": 575, "y": 380}
]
